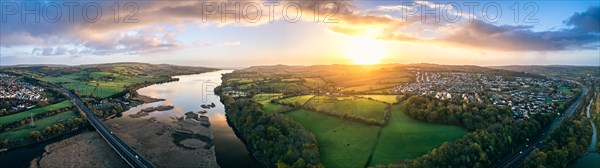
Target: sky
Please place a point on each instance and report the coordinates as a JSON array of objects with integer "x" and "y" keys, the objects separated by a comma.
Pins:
[{"x": 220, "y": 34}]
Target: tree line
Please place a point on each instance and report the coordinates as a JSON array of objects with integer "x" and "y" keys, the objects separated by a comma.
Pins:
[
  {"x": 273, "y": 138},
  {"x": 565, "y": 143},
  {"x": 493, "y": 133}
]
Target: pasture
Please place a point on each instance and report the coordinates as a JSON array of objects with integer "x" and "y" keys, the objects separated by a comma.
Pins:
[
  {"x": 275, "y": 108},
  {"x": 267, "y": 96},
  {"x": 22, "y": 115},
  {"x": 349, "y": 105},
  {"x": 99, "y": 84},
  {"x": 296, "y": 99},
  {"x": 391, "y": 99},
  {"x": 344, "y": 144},
  {"x": 406, "y": 138},
  {"x": 23, "y": 132}
]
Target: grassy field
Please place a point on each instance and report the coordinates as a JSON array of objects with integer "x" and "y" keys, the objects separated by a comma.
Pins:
[
  {"x": 242, "y": 80},
  {"x": 265, "y": 100},
  {"x": 282, "y": 87},
  {"x": 391, "y": 99},
  {"x": 275, "y": 108},
  {"x": 99, "y": 84},
  {"x": 296, "y": 99},
  {"x": 267, "y": 96},
  {"x": 342, "y": 143},
  {"x": 407, "y": 138},
  {"x": 361, "y": 107},
  {"x": 368, "y": 87},
  {"x": 565, "y": 90},
  {"x": 24, "y": 131},
  {"x": 22, "y": 115}
]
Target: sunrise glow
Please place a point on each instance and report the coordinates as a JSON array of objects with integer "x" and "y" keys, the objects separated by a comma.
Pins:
[{"x": 365, "y": 50}]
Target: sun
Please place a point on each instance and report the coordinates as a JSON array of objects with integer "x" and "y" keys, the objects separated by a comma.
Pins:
[{"x": 365, "y": 50}]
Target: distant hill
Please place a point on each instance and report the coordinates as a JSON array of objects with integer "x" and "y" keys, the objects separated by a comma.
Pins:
[
  {"x": 325, "y": 70},
  {"x": 124, "y": 68},
  {"x": 564, "y": 71}
]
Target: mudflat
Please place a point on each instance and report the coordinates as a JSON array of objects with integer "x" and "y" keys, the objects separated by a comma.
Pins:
[
  {"x": 186, "y": 143},
  {"x": 84, "y": 150}
]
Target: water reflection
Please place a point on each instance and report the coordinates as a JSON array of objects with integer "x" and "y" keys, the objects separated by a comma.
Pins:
[{"x": 188, "y": 94}]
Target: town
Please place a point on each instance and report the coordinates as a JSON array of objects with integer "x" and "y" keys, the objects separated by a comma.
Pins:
[
  {"x": 13, "y": 87},
  {"x": 525, "y": 96}
]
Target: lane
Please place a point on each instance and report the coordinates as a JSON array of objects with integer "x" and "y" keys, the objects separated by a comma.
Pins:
[
  {"x": 126, "y": 152},
  {"x": 516, "y": 158}
]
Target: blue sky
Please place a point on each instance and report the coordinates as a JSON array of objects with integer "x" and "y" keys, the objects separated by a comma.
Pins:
[{"x": 174, "y": 32}]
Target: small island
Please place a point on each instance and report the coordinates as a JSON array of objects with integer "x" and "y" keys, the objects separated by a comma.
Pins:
[{"x": 208, "y": 106}]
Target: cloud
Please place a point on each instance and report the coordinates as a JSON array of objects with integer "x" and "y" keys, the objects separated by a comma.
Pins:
[
  {"x": 587, "y": 21},
  {"x": 149, "y": 35},
  {"x": 583, "y": 35}
]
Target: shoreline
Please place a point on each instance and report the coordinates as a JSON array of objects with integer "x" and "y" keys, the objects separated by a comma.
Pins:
[{"x": 146, "y": 99}]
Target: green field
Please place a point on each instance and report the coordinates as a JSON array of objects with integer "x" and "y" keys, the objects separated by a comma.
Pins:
[
  {"x": 350, "y": 105},
  {"x": 315, "y": 82},
  {"x": 41, "y": 124},
  {"x": 342, "y": 143},
  {"x": 565, "y": 90},
  {"x": 391, "y": 99},
  {"x": 99, "y": 84},
  {"x": 368, "y": 87},
  {"x": 296, "y": 99},
  {"x": 274, "y": 108},
  {"x": 283, "y": 87},
  {"x": 267, "y": 96},
  {"x": 406, "y": 138},
  {"x": 22, "y": 115},
  {"x": 242, "y": 80},
  {"x": 265, "y": 100}
]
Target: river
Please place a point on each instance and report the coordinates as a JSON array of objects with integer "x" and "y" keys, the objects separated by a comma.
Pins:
[{"x": 187, "y": 94}]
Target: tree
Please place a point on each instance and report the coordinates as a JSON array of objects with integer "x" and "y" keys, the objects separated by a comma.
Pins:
[{"x": 36, "y": 135}]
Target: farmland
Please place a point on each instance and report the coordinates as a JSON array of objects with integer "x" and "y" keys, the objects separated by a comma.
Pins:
[
  {"x": 347, "y": 143},
  {"x": 301, "y": 100},
  {"x": 344, "y": 143},
  {"x": 354, "y": 125},
  {"x": 406, "y": 138},
  {"x": 23, "y": 132},
  {"x": 99, "y": 84},
  {"x": 360, "y": 115},
  {"x": 22, "y": 115},
  {"x": 341, "y": 143},
  {"x": 348, "y": 105},
  {"x": 391, "y": 99}
]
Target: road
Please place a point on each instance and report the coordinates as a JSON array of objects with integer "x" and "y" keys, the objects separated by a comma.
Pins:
[
  {"x": 126, "y": 152},
  {"x": 516, "y": 158}
]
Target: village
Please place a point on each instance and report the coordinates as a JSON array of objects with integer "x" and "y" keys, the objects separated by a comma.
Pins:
[
  {"x": 14, "y": 88},
  {"x": 525, "y": 96}
]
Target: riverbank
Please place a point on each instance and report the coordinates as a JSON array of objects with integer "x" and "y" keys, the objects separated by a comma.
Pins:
[
  {"x": 188, "y": 142},
  {"x": 84, "y": 150},
  {"x": 146, "y": 99}
]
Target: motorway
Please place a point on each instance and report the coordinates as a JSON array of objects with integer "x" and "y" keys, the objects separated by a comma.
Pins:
[
  {"x": 127, "y": 153},
  {"x": 516, "y": 159}
]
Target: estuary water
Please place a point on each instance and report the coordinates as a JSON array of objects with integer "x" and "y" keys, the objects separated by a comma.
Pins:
[{"x": 188, "y": 94}]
